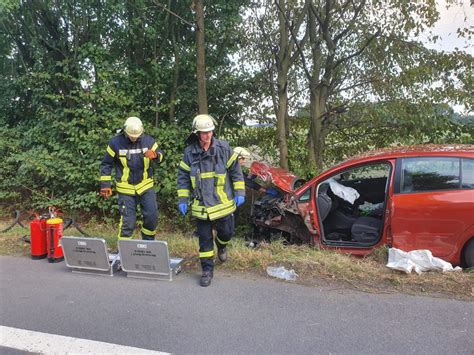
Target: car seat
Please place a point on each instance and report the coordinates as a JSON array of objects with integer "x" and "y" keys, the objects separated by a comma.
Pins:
[
  {"x": 324, "y": 202},
  {"x": 366, "y": 229}
]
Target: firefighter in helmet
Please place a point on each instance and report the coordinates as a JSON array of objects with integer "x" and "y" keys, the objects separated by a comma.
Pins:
[
  {"x": 131, "y": 153},
  {"x": 243, "y": 157},
  {"x": 211, "y": 182}
]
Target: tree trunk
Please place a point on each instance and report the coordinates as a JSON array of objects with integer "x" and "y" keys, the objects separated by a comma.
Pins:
[
  {"x": 285, "y": 58},
  {"x": 174, "y": 91},
  {"x": 318, "y": 130},
  {"x": 58, "y": 48},
  {"x": 310, "y": 142},
  {"x": 201, "y": 57},
  {"x": 283, "y": 62},
  {"x": 317, "y": 104},
  {"x": 134, "y": 49},
  {"x": 174, "y": 88},
  {"x": 281, "y": 126}
]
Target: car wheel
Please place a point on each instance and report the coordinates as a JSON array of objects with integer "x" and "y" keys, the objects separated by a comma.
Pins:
[{"x": 469, "y": 254}]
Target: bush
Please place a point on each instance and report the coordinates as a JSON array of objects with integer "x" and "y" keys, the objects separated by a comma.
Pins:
[{"x": 57, "y": 163}]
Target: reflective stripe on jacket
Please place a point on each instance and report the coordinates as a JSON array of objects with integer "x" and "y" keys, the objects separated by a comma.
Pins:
[
  {"x": 133, "y": 171},
  {"x": 210, "y": 179}
]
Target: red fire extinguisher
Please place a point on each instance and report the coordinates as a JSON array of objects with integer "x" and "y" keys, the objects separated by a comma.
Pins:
[
  {"x": 54, "y": 231},
  {"x": 38, "y": 238}
]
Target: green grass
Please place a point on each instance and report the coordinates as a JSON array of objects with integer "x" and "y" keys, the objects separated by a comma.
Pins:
[{"x": 312, "y": 265}]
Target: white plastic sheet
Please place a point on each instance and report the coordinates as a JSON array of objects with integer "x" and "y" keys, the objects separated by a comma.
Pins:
[
  {"x": 347, "y": 193},
  {"x": 282, "y": 273},
  {"x": 418, "y": 261}
]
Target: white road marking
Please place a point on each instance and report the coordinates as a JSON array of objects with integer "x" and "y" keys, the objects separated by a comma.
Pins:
[{"x": 45, "y": 343}]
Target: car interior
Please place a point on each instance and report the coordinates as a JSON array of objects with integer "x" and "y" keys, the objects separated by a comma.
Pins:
[{"x": 351, "y": 205}]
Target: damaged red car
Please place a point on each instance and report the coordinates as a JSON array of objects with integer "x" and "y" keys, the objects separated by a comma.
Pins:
[{"x": 419, "y": 197}]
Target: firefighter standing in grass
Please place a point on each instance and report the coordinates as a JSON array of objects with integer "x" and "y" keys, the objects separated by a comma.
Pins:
[
  {"x": 131, "y": 152},
  {"x": 209, "y": 176}
]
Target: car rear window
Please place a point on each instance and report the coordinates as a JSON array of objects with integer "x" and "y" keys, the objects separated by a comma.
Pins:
[{"x": 430, "y": 174}]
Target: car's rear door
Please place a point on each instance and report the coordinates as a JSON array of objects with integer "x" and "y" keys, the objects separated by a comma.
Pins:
[{"x": 429, "y": 210}]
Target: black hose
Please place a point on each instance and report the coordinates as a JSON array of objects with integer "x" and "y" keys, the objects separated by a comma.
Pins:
[
  {"x": 16, "y": 221},
  {"x": 71, "y": 222},
  {"x": 80, "y": 230},
  {"x": 67, "y": 223}
]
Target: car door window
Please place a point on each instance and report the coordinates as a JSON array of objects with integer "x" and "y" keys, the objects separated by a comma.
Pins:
[
  {"x": 468, "y": 173},
  {"x": 430, "y": 174}
]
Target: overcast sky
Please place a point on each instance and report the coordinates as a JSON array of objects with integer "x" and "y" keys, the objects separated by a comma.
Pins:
[{"x": 450, "y": 20}]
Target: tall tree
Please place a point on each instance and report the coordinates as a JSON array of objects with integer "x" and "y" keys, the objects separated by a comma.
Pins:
[
  {"x": 70, "y": 72},
  {"x": 200, "y": 57},
  {"x": 274, "y": 50},
  {"x": 326, "y": 42},
  {"x": 359, "y": 51},
  {"x": 284, "y": 59}
]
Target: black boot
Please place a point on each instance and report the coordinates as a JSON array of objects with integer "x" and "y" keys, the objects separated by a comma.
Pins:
[
  {"x": 222, "y": 254},
  {"x": 206, "y": 278}
]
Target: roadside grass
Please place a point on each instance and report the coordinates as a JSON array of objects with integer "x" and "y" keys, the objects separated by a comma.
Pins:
[{"x": 314, "y": 267}]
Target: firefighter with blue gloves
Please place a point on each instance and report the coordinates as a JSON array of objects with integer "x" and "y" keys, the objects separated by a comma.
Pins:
[
  {"x": 131, "y": 153},
  {"x": 211, "y": 181}
]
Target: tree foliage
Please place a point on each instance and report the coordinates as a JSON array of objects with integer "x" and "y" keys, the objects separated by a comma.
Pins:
[
  {"x": 71, "y": 72},
  {"x": 359, "y": 52}
]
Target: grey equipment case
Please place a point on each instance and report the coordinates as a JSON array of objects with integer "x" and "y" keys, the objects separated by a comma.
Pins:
[
  {"x": 148, "y": 259},
  {"x": 89, "y": 256}
]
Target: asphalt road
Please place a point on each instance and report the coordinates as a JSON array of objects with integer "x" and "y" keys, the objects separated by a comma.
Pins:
[{"x": 236, "y": 314}]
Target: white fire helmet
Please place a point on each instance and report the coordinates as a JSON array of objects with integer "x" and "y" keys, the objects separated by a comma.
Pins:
[
  {"x": 133, "y": 127},
  {"x": 203, "y": 123},
  {"x": 242, "y": 152}
]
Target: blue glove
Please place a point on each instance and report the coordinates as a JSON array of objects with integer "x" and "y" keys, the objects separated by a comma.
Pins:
[
  {"x": 239, "y": 200},
  {"x": 183, "y": 208},
  {"x": 272, "y": 192}
]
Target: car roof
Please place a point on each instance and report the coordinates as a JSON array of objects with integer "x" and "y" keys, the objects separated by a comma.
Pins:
[
  {"x": 413, "y": 151},
  {"x": 464, "y": 150}
]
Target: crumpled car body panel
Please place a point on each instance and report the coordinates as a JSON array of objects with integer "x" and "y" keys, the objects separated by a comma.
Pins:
[
  {"x": 281, "y": 213},
  {"x": 279, "y": 177}
]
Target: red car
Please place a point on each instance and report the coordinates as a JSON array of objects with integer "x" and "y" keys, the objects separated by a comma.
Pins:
[{"x": 419, "y": 197}]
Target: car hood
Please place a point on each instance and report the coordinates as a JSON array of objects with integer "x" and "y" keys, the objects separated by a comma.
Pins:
[{"x": 279, "y": 177}]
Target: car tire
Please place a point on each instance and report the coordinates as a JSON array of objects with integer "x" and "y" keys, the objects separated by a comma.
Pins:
[{"x": 469, "y": 254}]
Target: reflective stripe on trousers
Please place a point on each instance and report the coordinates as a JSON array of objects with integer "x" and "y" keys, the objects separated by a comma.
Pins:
[
  {"x": 128, "y": 211},
  {"x": 225, "y": 230}
]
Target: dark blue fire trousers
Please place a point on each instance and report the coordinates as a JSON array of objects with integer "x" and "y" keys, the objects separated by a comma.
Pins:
[
  {"x": 128, "y": 210},
  {"x": 225, "y": 230}
]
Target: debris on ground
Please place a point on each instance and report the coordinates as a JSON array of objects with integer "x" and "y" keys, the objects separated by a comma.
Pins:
[
  {"x": 418, "y": 261},
  {"x": 282, "y": 273}
]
